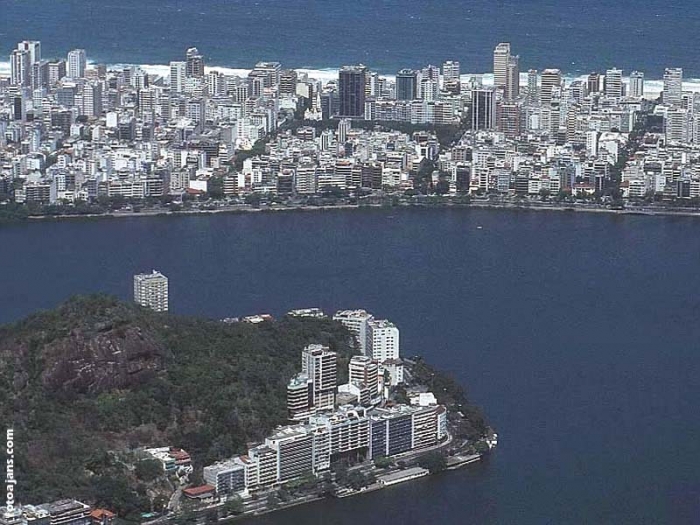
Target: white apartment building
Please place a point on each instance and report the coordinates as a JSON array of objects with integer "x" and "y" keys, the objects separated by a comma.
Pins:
[
  {"x": 362, "y": 370},
  {"x": 151, "y": 291},
  {"x": 318, "y": 364},
  {"x": 356, "y": 321},
  {"x": 76, "y": 63},
  {"x": 382, "y": 340}
]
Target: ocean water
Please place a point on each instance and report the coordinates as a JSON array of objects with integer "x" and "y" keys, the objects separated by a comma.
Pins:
[
  {"x": 577, "y": 334},
  {"x": 574, "y": 36}
]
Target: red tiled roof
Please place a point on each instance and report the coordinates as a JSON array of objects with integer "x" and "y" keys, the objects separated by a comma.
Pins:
[{"x": 198, "y": 491}]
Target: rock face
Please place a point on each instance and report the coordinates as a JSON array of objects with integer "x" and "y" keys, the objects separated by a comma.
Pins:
[
  {"x": 95, "y": 353},
  {"x": 91, "y": 363}
]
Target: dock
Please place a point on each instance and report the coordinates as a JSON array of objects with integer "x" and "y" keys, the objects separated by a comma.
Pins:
[{"x": 402, "y": 475}]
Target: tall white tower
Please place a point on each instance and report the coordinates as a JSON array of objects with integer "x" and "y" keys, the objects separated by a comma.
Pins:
[
  {"x": 33, "y": 47},
  {"x": 636, "y": 84},
  {"x": 613, "y": 83},
  {"x": 76, "y": 63},
  {"x": 673, "y": 86},
  {"x": 501, "y": 58},
  {"x": 178, "y": 74},
  {"x": 318, "y": 363}
]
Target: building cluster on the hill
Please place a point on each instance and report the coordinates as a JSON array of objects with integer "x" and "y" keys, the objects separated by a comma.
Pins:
[
  {"x": 71, "y": 132},
  {"x": 61, "y": 512},
  {"x": 172, "y": 461},
  {"x": 331, "y": 422}
]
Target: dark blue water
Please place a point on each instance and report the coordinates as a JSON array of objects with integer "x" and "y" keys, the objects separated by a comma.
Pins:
[
  {"x": 572, "y": 35},
  {"x": 577, "y": 333}
]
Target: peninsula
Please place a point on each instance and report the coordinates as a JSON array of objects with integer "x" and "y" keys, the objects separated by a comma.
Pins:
[{"x": 118, "y": 410}]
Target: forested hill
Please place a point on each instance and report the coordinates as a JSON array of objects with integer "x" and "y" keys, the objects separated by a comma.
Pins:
[{"x": 97, "y": 375}]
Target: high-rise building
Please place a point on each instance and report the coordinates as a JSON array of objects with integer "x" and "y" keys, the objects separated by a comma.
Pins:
[
  {"x": 391, "y": 431},
  {"x": 372, "y": 84},
  {"x": 676, "y": 125},
  {"x": 194, "y": 63},
  {"x": 509, "y": 120},
  {"x": 20, "y": 68},
  {"x": 178, "y": 74},
  {"x": 92, "y": 100},
  {"x": 532, "y": 89},
  {"x": 226, "y": 477},
  {"x": 300, "y": 397},
  {"x": 512, "y": 87},
  {"x": 501, "y": 58},
  {"x": 483, "y": 108},
  {"x": 362, "y": 370},
  {"x": 269, "y": 71},
  {"x": 351, "y": 86},
  {"x": 673, "y": 86},
  {"x": 288, "y": 82},
  {"x": 151, "y": 290},
  {"x": 356, "y": 322},
  {"x": 429, "y": 88},
  {"x": 344, "y": 125},
  {"x": 76, "y": 63},
  {"x": 318, "y": 363},
  {"x": 348, "y": 428},
  {"x": 57, "y": 70},
  {"x": 551, "y": 80},
  {"x": 306, "y": 182},
  {"x": 147, "y": 100},
  {"x": 382, "y": 340},
  {"x": 294, "y": 446},
  {"x": 594, "y": 82},
  {"x": 450, "y": 70},
  {"x": 613, "y": 83},
  {"x": 636, "y": 84},
  {"x": 406, "y": 85},
  {"x": 33, "y": 47}
]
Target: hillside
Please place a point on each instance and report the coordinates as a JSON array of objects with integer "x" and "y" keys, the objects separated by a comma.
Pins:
[{"x": 98, "y": 375}]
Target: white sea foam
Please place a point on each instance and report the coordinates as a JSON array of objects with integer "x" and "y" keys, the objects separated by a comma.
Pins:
[{"x": 652, "y": 87}]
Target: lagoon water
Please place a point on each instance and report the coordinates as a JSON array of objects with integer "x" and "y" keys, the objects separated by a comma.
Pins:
[{"x": 577, "y": 334}]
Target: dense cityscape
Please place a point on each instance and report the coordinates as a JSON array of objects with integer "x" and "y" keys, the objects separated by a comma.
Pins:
[{"x": 87, "y": 139}]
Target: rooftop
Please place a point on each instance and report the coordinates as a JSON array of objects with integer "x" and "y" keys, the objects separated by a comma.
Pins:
[
  {"x": 149, "y": 276},
  {"x": 402, "y": 474},
  {"x": 193, "y": 492}
]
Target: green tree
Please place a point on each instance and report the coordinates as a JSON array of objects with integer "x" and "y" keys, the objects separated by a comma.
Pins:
[
  {"x": 442, "y": 187},
  {"x": 233, "y": 505},
  {"x": 383, "y": 461},
  {"x": 272, "y": 501},
  {"x": 148, "y": 469},
  {"x": 434, "y": 461}
]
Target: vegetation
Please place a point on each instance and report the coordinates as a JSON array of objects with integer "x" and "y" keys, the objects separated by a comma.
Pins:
[
  {"x": 466, "y": 418},
  {"x": 148, "y": 469},
  {"x": 97, "y": 375},
  {"x": 434, "y": 461},
  {"x": 233, "y": 506},
  {"x": 383, "y": 462}
]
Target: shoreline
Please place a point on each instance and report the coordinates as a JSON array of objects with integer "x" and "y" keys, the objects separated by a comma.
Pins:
[
  {"x": 470, "y": 460},
  {"x": 538, "y": 207},
  {"x": 653, "y": 85}
]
